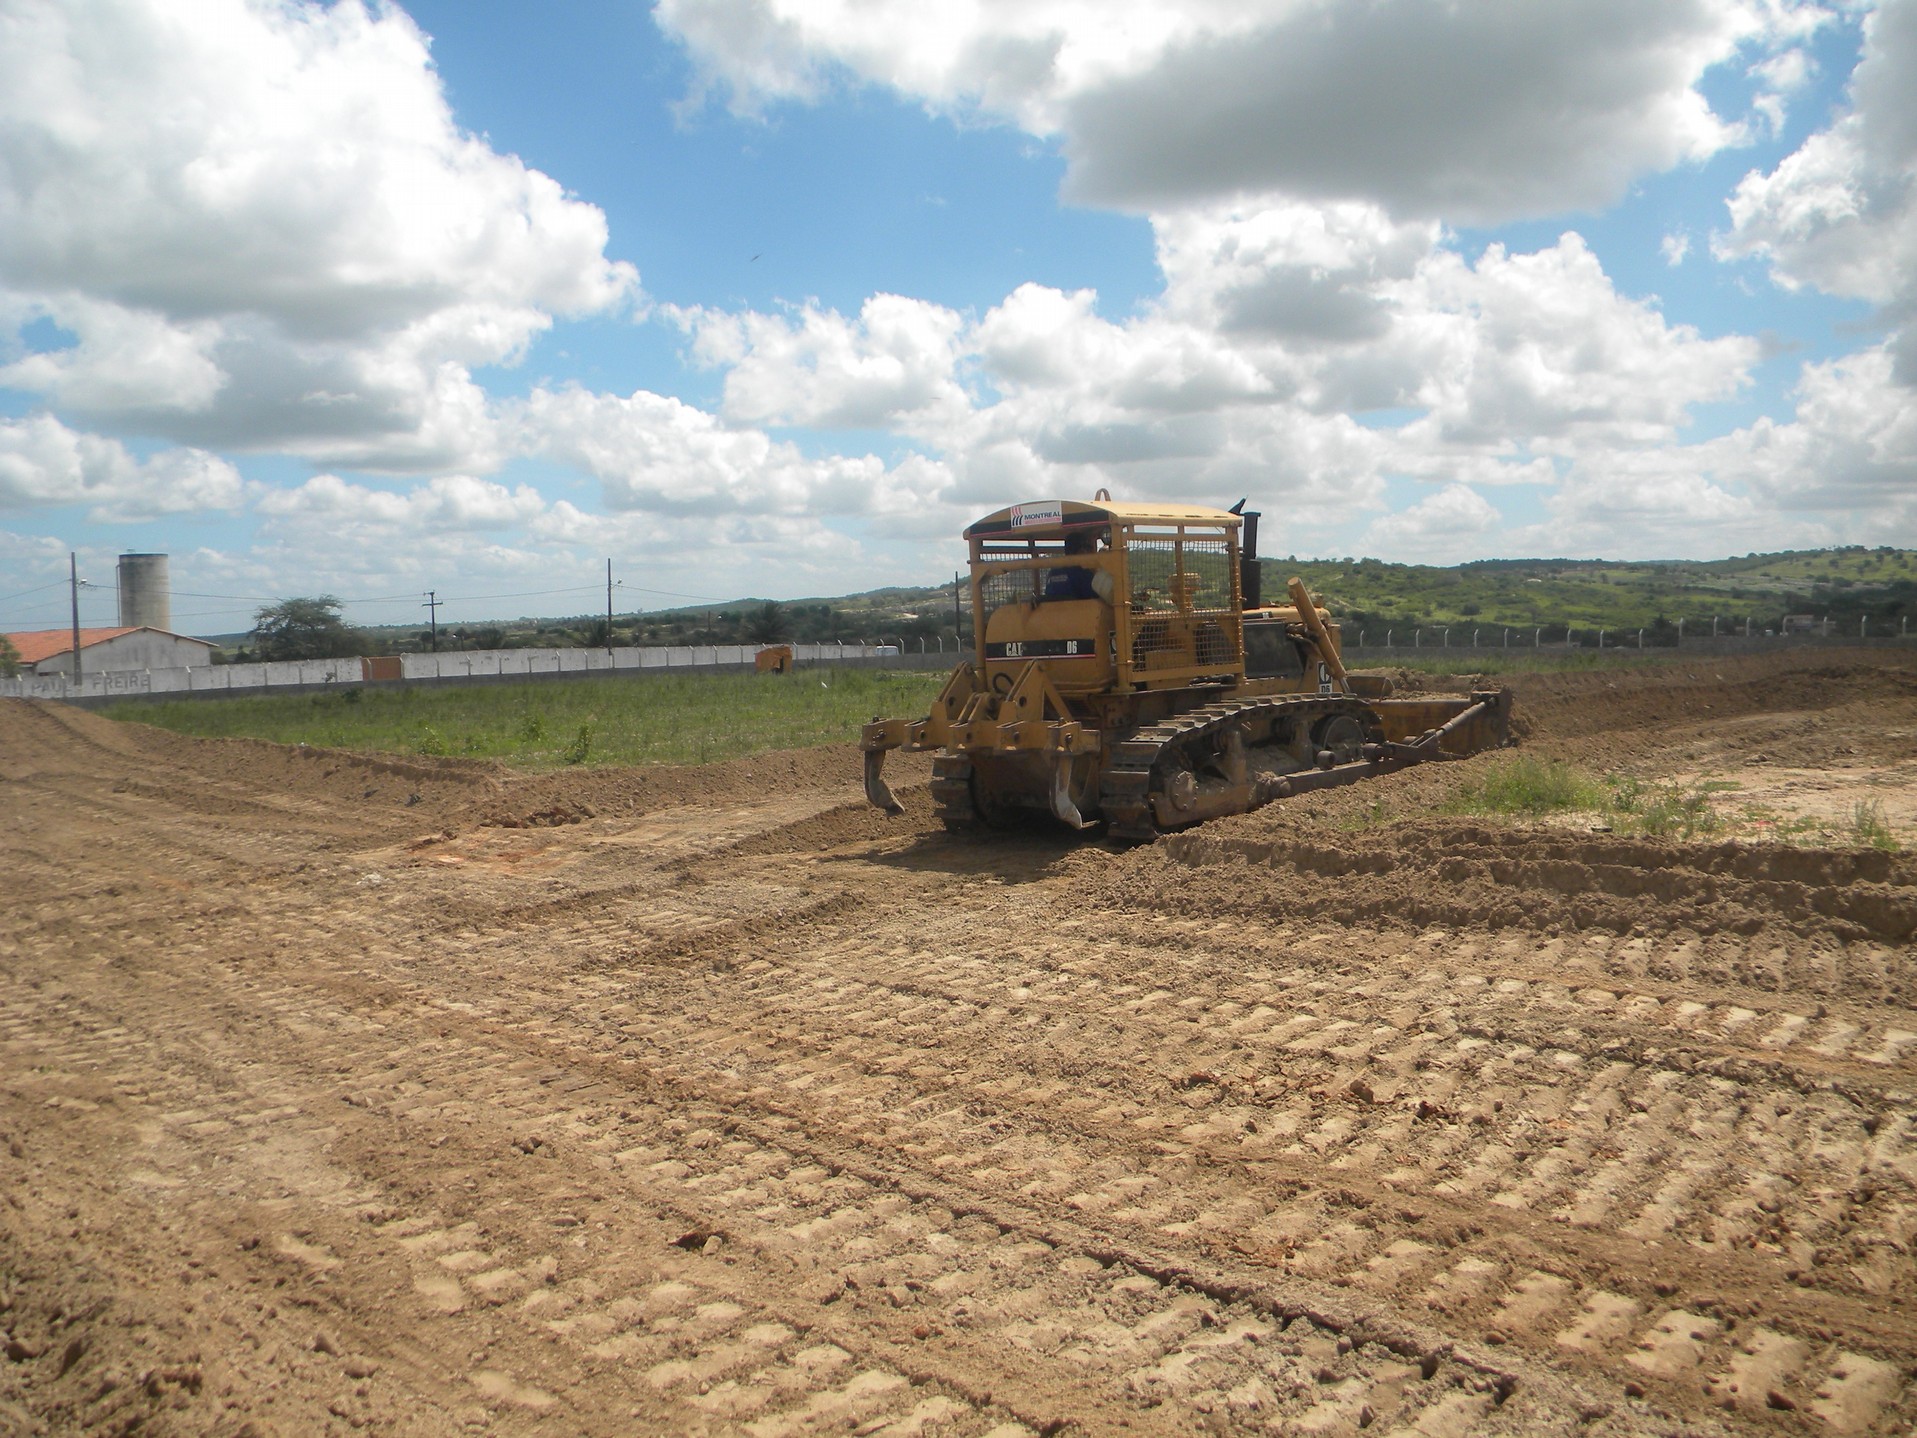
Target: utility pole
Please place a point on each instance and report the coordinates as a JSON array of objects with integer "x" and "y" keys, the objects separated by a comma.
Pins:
[
  {"x": 73, "y": 575},
  {"x": 609, "y": 609},
  {"x": 432, "y": 607}
]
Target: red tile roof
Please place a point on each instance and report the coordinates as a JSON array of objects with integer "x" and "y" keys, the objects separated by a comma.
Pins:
[{"x": 38, "y": 644}]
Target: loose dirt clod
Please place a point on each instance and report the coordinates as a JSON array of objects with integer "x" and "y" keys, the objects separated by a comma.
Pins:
[{"x": 708, "y": 1100}]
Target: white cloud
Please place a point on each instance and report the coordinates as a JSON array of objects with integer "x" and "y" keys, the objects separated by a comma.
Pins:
[
  {"x": 1275, "y": 326},
  {"x": 1448, "y": 526},
  {"x": 330, "y": 505},
  {"x": 894, "y": 365},
  {"x": 1674, "y": 248},
  {"x": 1651, "y": 504},
  {"x": 1848, "y": 454},
  {"x": 1290, "y": 270},
  {"x": 1841, "y": 470},
  {"x": 42, "y": 462},
  {"x": 267, "y": 231},
  {"x": 655, "y": 453},
  {"x": 124, "y": 359},
  {"x": 1540, "y": 348},
  {"x": 1840, "y": 213},
  {"x": 1478, "y": 112},
  {"x": 1778, "y": 78}
]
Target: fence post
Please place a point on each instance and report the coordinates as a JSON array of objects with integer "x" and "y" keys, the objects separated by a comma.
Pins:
[
  {"x": 1537, "y": 637},
  {"x": 1388, "y": 634},
  {"x": 1600, "y": 638},
  {"x": 1640, "y": 639},
  {"x": 1447, "y": 636},
  {"x": 1474, "y": 639}
]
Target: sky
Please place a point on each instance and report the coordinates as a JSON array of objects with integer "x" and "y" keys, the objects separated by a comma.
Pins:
[{"x": 773, "y": 297}]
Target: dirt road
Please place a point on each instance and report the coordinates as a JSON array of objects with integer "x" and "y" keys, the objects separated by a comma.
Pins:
[{"x": 338, "y": 1094}]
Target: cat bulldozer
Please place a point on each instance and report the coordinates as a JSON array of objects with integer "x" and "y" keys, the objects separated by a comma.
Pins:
[{"x": 1127, "y": 672}]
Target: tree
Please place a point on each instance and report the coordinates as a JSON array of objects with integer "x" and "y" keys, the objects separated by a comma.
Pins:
[
  {"x": 768, "y": 624},
  {"x": 9, "y": 659},
  {"x": 309, "y": 628}
]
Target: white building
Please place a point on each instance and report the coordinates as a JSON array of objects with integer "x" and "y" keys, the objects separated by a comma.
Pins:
[{"x": 108, "y": 651}]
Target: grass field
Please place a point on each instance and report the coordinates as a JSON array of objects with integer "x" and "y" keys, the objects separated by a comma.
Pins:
[
  {"x": 659, "y": 719},
  {"x": 667, "y": 719}
]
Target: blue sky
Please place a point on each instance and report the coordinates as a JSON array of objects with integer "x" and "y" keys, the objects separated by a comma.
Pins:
[{"x": 771, "y": 297}]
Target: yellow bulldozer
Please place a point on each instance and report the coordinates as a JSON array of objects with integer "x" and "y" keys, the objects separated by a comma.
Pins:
[{"x": 1126, "y": 670}]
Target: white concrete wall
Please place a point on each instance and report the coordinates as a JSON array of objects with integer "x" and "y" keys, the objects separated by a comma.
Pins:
[{"x": 477, "y": 664}]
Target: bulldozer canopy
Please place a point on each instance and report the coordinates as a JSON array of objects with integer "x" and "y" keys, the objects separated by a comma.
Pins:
[{"x": 1056, "y": 514}]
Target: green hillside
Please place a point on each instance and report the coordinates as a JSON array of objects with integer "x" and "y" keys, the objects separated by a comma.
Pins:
[
  {"x": 1879, "y": 585},
  {"x": 1845, "y": 584}
]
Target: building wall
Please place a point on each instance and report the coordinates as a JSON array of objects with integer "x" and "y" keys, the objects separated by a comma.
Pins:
[{"x": 143, "y": 649}]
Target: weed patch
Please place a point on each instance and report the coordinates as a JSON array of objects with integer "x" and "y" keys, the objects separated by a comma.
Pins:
[
  {"x": 1528, "y": 786},
  {"x": 1867, "y": 826},
  {"x": 1662, "y": 811}
]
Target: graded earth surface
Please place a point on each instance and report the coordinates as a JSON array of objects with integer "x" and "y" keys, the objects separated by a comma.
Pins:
[{"x": 416, "y": 1097}]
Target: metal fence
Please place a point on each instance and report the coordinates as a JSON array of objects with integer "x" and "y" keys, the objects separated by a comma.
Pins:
[{"x": 1421, "y": 638}]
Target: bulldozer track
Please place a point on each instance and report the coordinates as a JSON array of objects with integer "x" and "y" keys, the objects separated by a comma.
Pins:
[
  {"x": 1125, "y": 794},
  {"x": 337, "y": 1113}
]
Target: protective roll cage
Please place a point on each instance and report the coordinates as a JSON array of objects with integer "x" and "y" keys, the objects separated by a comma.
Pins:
[{"x": 1175, "y": 599}]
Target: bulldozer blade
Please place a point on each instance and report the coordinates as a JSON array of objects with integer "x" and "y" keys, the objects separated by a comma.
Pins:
[{"x": 877, "y": 792}]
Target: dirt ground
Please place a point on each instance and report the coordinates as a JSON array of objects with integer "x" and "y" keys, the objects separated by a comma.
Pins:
[{"x": 418, "y": 1098}]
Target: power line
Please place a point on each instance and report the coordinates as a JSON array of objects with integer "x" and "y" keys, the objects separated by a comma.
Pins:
[
  {"x": 276, "y": 598},
  {"x": 57, "y": 584}
]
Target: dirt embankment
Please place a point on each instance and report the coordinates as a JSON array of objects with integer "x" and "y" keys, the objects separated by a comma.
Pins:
[{"x": 343, "y": 1095}]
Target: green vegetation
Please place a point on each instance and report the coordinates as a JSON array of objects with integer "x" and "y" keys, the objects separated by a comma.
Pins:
[
  {"x": 1867, "y": 826},
  {"x": 1663, "y": 811},
  {"x": 894, "y": 616},
  {"x": 1528, "y": 786},
  {"x": 1878, "y": 585},
  {"x": 1369, "y": 596},
  {"x": 1524, "y": 786},
  {"x": 664, "y": 719},
  {"x": 305, "y": 629}
]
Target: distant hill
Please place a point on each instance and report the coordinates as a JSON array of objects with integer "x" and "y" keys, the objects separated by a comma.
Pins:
[
  {"x": 1843, "y": 584},
  {"x": 1880, "y": 584}
]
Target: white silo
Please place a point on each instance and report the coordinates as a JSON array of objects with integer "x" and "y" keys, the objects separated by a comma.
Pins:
[{"x": 146, "y": 595}]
